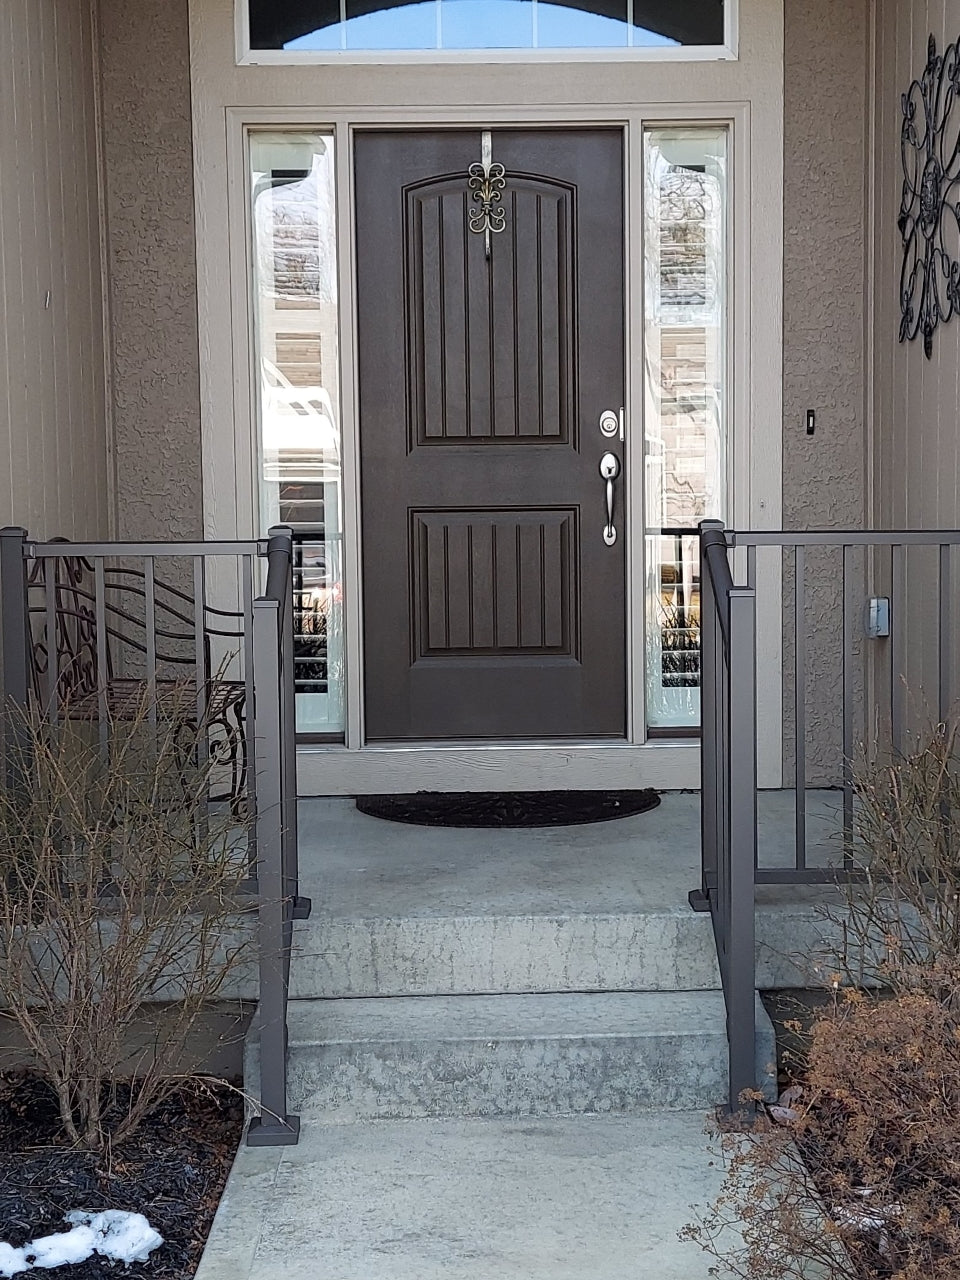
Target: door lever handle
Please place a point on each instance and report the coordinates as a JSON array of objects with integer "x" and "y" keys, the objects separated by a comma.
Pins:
[{"x": 609, "y": 470}]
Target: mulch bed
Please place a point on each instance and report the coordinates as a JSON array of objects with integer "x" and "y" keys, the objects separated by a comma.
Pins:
[{"x": 172, "y": 1170}]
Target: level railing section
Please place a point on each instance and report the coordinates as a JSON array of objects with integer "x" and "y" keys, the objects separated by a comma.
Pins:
[
  {"x": 116, "y": 633},
  {"x": 852, "y": 635}
]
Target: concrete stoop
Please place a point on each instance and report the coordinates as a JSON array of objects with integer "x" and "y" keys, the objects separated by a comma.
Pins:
[
  {"x": 562, "y": 1054},
  {"x": 516, "y": 973}
]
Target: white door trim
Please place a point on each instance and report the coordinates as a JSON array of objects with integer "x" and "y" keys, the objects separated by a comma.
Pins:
[{"x": 226, "y": 100}]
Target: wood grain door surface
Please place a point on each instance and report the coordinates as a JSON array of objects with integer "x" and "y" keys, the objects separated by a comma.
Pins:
[{"x": 493, "y": 609}]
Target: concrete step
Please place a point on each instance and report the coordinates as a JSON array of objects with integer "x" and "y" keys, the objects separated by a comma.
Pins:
[
  {"x": 508, "y": 1055},
  {"x": 660, "y": 950}
]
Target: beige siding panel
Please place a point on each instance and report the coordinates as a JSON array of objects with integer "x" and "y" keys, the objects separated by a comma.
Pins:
[
  {"x": 918, "y": 458},
  {"x": 53, "y": 424},
  {"x": 916, "y": 481}
]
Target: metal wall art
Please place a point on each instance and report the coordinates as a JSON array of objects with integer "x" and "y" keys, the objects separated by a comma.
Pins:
[
  {"x": 486, "y": 179},
  {"x": 929, "y": 218}
]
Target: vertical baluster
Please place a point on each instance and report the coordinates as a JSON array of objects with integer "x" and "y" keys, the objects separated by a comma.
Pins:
[
  {"x": 50, "y": 567},
  {"x": 201, "y": 674},
  {"x": 945, "y": 635},
  {"x": 897, "y": 646},
  {"x": 800, "y": 709},
  {"x": 103, "y": 663},
  {"x": 150, "y": 636},
  {"x": 848, "y": 595},
  {"x": 250, "y": 776}
]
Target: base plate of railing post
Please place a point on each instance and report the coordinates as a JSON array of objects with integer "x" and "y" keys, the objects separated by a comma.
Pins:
[
  {"x": 302, "y": 908},
  {"x": 267, "y": 1131},
  {"x": 699, "y": 901}
]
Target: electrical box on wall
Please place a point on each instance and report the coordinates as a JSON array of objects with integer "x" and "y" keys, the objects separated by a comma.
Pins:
[{"x": 876, "y": 617}]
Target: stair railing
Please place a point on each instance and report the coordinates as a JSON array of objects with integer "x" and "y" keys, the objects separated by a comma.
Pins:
[
  {"x": 94, "y": 630},
  {"x": 868, "y": 621}
]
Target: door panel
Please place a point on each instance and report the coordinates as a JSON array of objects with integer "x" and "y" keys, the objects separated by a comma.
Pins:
[{"x": 492, "y": 606}]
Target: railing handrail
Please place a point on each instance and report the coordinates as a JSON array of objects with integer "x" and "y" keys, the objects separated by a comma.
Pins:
[
  {"x": 842, "y": 537},
  {"x": 60, "y": 549},
  {"x": 279, "y": 557},
  {"x": 713, "y": 557}
]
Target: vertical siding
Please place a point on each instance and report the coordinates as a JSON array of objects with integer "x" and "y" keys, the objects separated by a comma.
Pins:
[
  {"x": 916, "y": 470},
  {"x": 917, "y": 443},
  {"x": 53, "y": 425}
]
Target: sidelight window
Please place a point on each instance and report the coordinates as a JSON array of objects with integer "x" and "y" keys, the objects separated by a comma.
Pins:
[
  {"x": 304, "y": 27},
  {"x": 685, "y": 219},
  {"x": 296, "y": 369}
]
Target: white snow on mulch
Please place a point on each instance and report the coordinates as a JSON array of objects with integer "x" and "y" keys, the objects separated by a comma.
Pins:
[{"x": 123, "y": 1237}]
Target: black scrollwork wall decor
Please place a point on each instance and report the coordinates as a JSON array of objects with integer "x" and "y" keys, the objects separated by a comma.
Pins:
[{"x": 929, "y": 218}]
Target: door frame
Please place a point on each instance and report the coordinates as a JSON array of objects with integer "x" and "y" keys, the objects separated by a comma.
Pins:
[
  {"x": 754, "y": 391},
  {"x": 357, "y": 765}
]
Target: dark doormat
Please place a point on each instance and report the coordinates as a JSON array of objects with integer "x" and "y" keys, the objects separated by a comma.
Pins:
[{"x": 508, "y": 808}]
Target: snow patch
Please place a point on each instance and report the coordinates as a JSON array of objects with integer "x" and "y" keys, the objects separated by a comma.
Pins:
[{"x": 123, "y": 1237}]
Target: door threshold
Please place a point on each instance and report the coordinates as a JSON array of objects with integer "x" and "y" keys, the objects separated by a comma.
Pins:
[{"x": 553, "y": 766}]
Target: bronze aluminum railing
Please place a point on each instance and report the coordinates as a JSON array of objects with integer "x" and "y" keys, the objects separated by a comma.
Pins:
[
  {"x": 871, "y": 698},
  {"x": 97, "y": 629}
]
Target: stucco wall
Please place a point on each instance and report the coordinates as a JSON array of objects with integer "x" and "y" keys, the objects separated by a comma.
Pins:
[
  {"x": 53, "y": 428},
  {"x": 145, "y": 72},
  {"x": 824, "y": 475}
]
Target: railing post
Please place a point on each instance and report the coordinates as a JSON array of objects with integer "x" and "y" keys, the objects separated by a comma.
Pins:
[
  {"x": 711, "y": 657},
  {"x": 14, "y": 619},
  {"x": 15, "y": 642},
  {"x": 740, "y": 986},
  {"x": 283, "y": 535},
  {"x": 274, "y": 1127}
]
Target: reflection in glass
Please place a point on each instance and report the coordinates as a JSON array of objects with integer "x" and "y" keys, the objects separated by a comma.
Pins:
[
  {"x": 684, "y": 394},
  {"x": 297, "y": 360},
  {"x": 330, "y": 25}
]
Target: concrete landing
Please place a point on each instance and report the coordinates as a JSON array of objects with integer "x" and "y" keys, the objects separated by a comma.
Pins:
[
  {"x": 580, "y": 1199},
  {"x": 406, "y": 910}
]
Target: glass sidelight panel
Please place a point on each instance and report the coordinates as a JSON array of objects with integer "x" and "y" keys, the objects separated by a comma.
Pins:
[
  {"x": 685, "y": 203},
  {"x": 296, "y": 363}
]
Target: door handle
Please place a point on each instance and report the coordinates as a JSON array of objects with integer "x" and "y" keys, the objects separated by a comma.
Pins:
[{"x": 609, "y": 470}]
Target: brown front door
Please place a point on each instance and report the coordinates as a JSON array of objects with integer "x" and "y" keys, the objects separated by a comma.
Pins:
[{"x": 494, "y": 606}]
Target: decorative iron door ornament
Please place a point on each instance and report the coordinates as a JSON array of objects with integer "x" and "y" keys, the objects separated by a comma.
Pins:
[
  {"x": 929, "y": 218},
  {"x": 486, "y": 180}
]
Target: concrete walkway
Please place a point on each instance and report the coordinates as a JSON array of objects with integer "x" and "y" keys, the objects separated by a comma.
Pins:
[{"x": 588, "y": 1198}]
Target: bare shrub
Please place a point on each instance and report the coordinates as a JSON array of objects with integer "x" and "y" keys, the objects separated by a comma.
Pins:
[
  {"x": 902, "y": 920},
  {"x": 865, "y": 1181},
  {"x": 118, "y": 889},
  {"x": 862, "y": 1177}
]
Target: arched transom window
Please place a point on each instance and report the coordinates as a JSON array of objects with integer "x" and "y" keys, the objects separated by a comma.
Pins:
[{"x": 331, "y": 26}]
